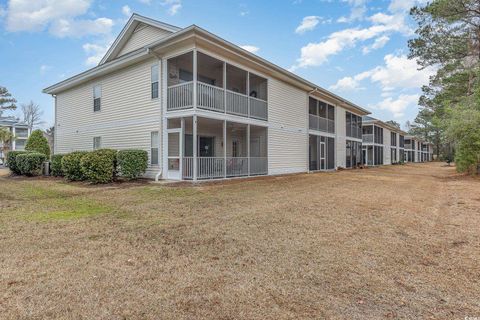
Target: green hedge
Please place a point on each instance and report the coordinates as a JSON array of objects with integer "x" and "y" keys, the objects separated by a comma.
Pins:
[
  {"x": 71, "y": 165},
  {"x": 12, "y": 160},
  {"x": 56, "y": 165},
  {"x": 38, "y": 143},
  {"x": 99, "y": 166},
  {"x": 132, "y": 163},
  {"x": 30, "y": 164}
]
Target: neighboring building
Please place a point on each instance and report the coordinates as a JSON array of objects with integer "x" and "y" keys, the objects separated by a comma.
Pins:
[
  {"x": 418, "y": 150},
  {"x": 383, "y": 143},
  {"x": 20, "y": 131},
  {"x": 202, "y": 107}
]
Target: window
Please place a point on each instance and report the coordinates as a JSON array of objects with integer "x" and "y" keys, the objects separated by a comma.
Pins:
[
  {"x": 325, "y": 120},
  {"x": 154, "y": 81},
  {"x": 97, "y": 95},
  {"x": 353, "y": 125},
  {"x": 393, "y": 139},
  {"x": 97, "y": 143},
  {"x": 353, "y": 154},
  {"x": 154, "y": 147}
]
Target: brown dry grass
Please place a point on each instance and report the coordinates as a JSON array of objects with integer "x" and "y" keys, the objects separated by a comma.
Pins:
[{"x": 390, "y": 242}]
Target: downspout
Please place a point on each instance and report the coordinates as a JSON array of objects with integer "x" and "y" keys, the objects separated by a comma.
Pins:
[{"x": 149, "y": 51}]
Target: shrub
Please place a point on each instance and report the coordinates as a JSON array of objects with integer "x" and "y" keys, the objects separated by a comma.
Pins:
[
  {"x": 12, "y": 161},
  {"x": 132, "y": 163},
  {"x": 38, "y": 143},
  {"x": 99, "y": 166},
  {"x": 71, "y": 167},
  {"x": 30, "y": 164},
  {"x": 56, "y": 165}
]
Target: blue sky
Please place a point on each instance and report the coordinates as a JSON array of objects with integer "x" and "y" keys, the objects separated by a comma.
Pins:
[{"x": 355, "y": 48}]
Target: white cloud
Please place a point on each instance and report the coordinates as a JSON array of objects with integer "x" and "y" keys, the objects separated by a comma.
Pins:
[
  {"x": 350, "y": 83},
  {"x": 398, "y": 106},
  {"x": 315, "y": 54},
  {"x": 95, "y": 52},
  {"x": 78, "y": 28},
  {"x": 126, "y": 11},
  {"x": 250, "y": 48},
  {"x": 356, "y": 13},
  {"x": 308, "y": 24},
  {"x": 398, "y": 72},
  {"x": 380, "y": 42},
  {"x": 382, "y": 25},
  {"x": 44, "y": 68},
  {"x": 173, "y": 6},
  {"x": 58, "y": 16}
]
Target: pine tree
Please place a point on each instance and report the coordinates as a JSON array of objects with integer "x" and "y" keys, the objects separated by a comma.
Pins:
[{"x": 7, "y": 102}]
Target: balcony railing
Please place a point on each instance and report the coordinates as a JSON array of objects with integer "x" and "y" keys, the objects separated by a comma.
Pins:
[
  {"x": 321, "y": 124},
  {"x": 237, "y": 166},
  {"x": 355, "y": 132},
  {"x": 213, "y": 98},
  {"x": 214, "y": 167},
  {"x": 210, "y": 97},
  {"x": 258, "y": 108},
  {"x": 180, "y": 96},
  {"x": 237, "y": 103},
  {"x": 367, "y": 138}
]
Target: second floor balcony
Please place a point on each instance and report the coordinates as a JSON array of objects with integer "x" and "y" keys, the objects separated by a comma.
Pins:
[
  {"x": 321, "y": 124},
  {"x": 208, "y": 83}
]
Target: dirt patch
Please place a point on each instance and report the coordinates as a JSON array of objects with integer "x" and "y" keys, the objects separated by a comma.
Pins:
[{"x": 388, "y": 242}]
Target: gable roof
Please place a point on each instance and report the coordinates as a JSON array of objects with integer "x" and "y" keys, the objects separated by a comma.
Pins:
[
  {"x": 127, "y": 32},
  {"x": 108, "y": 64}
]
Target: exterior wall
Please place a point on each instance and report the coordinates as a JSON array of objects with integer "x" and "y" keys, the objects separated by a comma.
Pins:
[
  {"x": 341, "y": 139},
  {"x": 142, "y": 36},
  {"x": 127, "y": 117},
  {"x": 288, "y": 128},
  {"x": 386, "y": 146}
]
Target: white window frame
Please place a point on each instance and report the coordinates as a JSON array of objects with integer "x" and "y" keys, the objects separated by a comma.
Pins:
[
  {"x": 97, "y": 144},
  {"x": 99, "y": 86},
  {"x": 152, "y": 82},
  {"x": 153, "y": 147}
]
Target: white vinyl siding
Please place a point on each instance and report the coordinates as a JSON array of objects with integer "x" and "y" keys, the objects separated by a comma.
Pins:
[
  {"x": 142, "y": 36},
  {"x": 287, "y": 132},
  {"x": 128, "y": 113}
]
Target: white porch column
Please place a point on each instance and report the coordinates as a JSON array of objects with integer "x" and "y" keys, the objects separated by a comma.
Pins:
[
  {"x": 194, "y": 124},
  {"x": 195, "y": 78},
  {"x": 13, "y": 140},
  {"x": 224, "y": 87},
  {"x": 182, "y": 144},
  {"x": 248, "y": 147},
  {"x": 248, "y": 93},
  {"x": 225, "y": 148}
]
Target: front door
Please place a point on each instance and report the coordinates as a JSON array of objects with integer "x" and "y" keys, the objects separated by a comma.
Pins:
[
  {"x": 206, "y": 146},
  {"x": 174, "y": 154}
]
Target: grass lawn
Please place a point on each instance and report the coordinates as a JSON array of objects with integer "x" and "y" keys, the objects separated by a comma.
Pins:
[{"x": 390, "y": 242}]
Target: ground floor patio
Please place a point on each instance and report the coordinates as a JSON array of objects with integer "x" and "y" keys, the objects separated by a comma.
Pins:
[{"x": 205, "y": 148}]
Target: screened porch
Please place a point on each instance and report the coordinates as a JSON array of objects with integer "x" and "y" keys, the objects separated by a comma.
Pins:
[
  {"x": 215, "y": 149},
  {"x": 195, "y": 79}
]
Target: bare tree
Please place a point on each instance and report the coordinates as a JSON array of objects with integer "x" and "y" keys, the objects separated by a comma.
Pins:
[{"x": 32, "y": 114}]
